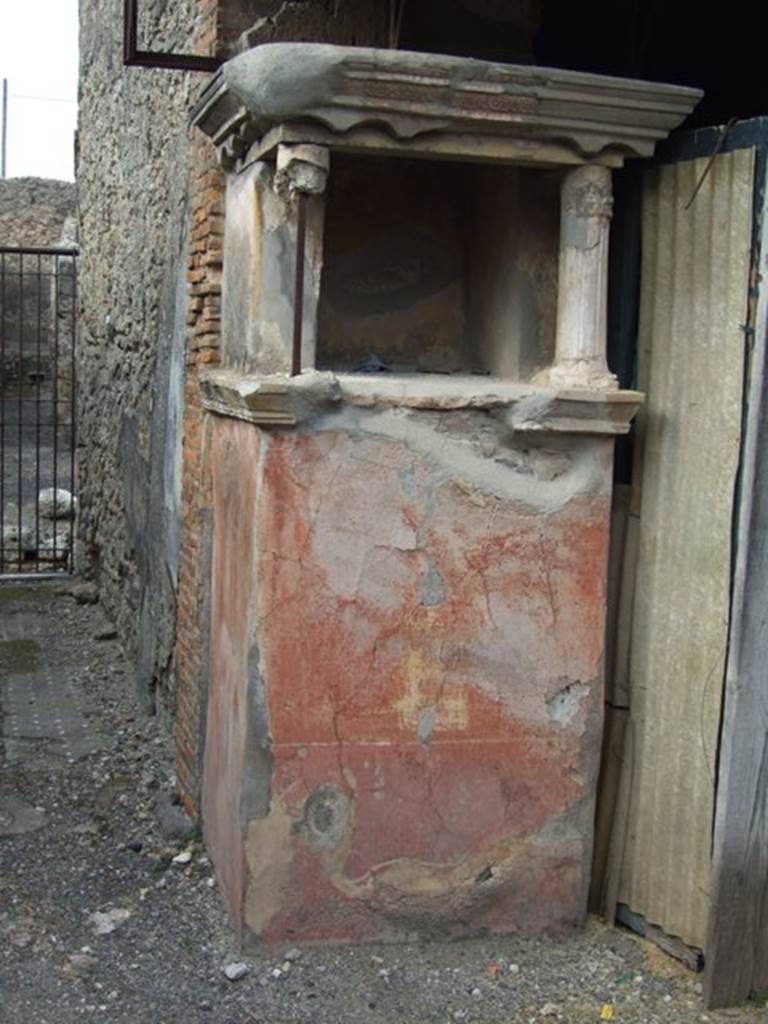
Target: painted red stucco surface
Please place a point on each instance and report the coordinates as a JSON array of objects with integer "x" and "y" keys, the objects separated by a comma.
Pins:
[{"x": 420, "y": 632}]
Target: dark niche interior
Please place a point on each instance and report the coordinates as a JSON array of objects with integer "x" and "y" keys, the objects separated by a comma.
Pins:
[{"x": 434, "y": 266}]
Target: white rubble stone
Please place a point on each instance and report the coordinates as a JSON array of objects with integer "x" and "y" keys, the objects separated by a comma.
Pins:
[
  {"x": 54, "y": 541},
  {"x": 104, "y": 922},
  {"x": 234, "y": 972},
  {"x": 56, "y": 504}
]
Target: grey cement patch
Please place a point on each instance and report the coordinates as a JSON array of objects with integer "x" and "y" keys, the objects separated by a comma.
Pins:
[
  {"x": 563, "y": 706},
  {"x": 427, "y": 723},
  {"x": 432, "y": 587},
  {"x": 18, "y": 817},
  {"x": 257, "y": 757},
  {"x": 454, "y": 456}
]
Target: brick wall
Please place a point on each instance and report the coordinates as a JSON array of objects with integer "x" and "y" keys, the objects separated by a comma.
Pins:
[
  {"x": 206, "y": 231},
  {"x": 203, "y": 308}
]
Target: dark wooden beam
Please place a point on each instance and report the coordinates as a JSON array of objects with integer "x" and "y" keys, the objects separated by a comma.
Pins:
[
  {"x": 737, "y": 940},
  {"x": 134, "y": 57}
]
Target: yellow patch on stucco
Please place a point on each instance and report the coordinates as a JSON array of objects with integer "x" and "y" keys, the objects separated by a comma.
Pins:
[
  {"x": 268, "y": 852},
  {"x": 424, "y": 686}
]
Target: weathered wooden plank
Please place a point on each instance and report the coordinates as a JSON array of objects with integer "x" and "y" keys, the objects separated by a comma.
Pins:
[
  {"x": 691, "y": 349},
  {"x": 692, "y": 958},
  {"x": 737, "y": 938},
  {"x": 615, "y": 675},
  {"x": 610, "y": 820}
]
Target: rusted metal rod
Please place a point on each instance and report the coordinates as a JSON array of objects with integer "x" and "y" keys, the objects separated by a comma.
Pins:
[
  {"x": 55, "y": 250},
  {"x": 718, "y": 146},
  {"x": 298, "y": 284}
]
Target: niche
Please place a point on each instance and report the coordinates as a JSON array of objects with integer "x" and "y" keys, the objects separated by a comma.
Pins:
[{"x": 438, "y": 267}]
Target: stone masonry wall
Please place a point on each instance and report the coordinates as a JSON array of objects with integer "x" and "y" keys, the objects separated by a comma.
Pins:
[
  {"x": 132, "y": 174},
  {"x": 36, "y": 211}
]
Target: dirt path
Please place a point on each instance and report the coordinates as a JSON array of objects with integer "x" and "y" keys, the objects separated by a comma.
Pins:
[{"x": 98, "y": 923}]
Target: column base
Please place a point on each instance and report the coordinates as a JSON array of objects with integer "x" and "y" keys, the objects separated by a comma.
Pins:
[{"x": 581, "y": 374}]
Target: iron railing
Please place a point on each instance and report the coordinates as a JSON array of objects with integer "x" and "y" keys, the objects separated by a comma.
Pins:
[{"x": 38, "y": 333}]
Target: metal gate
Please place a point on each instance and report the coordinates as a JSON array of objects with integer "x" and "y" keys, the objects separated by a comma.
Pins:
[{"x": 38, "y": 330}]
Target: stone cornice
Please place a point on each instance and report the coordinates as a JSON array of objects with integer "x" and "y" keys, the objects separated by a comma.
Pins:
[
  {"x": 415, "y": 97},
  {"x": 282, "y": 401}
]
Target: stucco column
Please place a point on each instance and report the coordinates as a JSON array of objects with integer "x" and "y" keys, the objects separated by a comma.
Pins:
[
  {"x": 301, "y": 174},
  {"x": 586, "y": 204}
]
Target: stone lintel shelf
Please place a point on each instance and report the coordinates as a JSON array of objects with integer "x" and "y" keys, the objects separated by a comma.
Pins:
[
  {"x": 469, "y": 147},
  {"x": 418, "y": 97},
  {"x": 282, "y": 401}
]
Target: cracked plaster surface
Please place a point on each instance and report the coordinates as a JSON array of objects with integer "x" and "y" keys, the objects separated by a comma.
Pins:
[{"x": 426, "y": 620}]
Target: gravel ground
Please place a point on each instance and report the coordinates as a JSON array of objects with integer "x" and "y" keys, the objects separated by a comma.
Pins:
[{"x": 98, "y": 922}]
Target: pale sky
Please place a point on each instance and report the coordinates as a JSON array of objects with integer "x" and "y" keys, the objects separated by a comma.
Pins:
[{"x": 38, "y": 56}]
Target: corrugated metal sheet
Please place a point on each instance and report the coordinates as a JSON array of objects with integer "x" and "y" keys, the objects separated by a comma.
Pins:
[{"x": 691, "y": 355}]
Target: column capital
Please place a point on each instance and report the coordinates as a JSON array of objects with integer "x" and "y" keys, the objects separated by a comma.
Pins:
[
  {"x": 587, "y": 192},
  {"x": 301, "y": 167}
]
